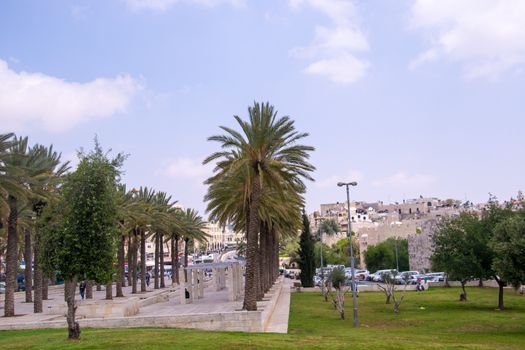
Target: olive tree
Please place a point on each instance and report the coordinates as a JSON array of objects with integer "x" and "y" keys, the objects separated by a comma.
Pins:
[{"x": 82, "y": 246}]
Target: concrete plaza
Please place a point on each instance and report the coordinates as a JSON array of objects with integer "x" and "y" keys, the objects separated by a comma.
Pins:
[{"x": 158, "y": 308}]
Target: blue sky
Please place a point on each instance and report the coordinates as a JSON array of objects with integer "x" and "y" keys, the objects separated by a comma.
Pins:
[{"x": 409, "y": 98}]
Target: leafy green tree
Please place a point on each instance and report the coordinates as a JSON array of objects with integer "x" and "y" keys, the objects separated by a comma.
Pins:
[
  {"x": 306, "y": 255},
  {"x": 454, "y": 249},
  {"x": 382, "y": 256},
  {"x": 508, "y": 244},
  {"x": 83, "y": 245},
  {"x": 491, "y": 217}
]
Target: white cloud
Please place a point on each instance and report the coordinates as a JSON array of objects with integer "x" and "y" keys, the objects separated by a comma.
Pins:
[
  {"x": 27, "y": 99},
  {"x": 344, "y": 69},
  {"x": 403, "y": 179},
  {"x": 486, "y": 36},
  {"x": 331, "y": 181},
  {"x": 187, "y": 168},
  {"x": 333, "y": 48},
  {"x": 163, "y": 5}
]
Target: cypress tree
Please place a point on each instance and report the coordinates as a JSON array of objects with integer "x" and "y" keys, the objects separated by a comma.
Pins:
[{"x": 306, "y": 254}]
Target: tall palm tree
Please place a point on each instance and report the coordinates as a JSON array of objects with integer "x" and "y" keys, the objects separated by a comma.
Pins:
[
  {"x": 265, "y": 154},
  {"x": 7, "y": 183},
  {"x": 193, "y": 227},
  {"x": 142, "y": 221},
  {"x": 176, "y": 232},
  {"x": 27, "y": 169},
  {"x": 160, "y": 228},
  {"x": 125, "y": 207},
  {"x": 43, "y": 190}
]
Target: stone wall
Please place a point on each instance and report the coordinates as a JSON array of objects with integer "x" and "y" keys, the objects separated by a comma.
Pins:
[
  {"x": 420, "y": 247},
  {"x": 382, "y": 231},
  {"x": 243, "y": 321}
]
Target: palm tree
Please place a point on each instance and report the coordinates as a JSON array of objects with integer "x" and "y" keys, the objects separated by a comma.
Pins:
[
  {"x": 26, "y": 169},
  {"x": 125, "y": 207},
  {"x": 7, "y": 183},
  {"x": 193, "y": 227},
  {"x": 160, "y": 227},
  {"x": 141, "y": 221},
  {"x": 42, "y": 191},
  {"x": 176, "y": 231},
  {"x": 265, "y": 154}
]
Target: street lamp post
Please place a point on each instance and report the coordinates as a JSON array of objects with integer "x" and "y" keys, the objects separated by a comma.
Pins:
[{"x": 352, "y": 265}]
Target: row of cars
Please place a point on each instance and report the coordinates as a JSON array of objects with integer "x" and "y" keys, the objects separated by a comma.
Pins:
[{"x": 405, "y": 277}]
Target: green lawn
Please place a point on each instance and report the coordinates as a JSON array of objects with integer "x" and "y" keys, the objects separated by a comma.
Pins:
[{"x": 429, "y": 320}]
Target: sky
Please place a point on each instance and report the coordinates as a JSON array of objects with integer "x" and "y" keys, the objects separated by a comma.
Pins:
[{"x": 408, "y": 98}]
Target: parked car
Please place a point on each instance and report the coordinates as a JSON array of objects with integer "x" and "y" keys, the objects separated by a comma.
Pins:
[
  {"x": 378, "y": 275},
  {"x": 435, "y": 277},
  {"x": 407, "y": 277},
  {"x": 361, "y": 275}
]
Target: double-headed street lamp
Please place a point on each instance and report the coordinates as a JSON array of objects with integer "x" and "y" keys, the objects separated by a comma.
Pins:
[{"x": 354, "y": 286}]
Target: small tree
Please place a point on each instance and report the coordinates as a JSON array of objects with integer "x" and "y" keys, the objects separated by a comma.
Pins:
[
  {"x": 491, "y": 218},
  {"x": 455, "y": 245},
  {"x": 82, "y": 246},
  {"x": 306, "y": 255},
  {"x": 337, "y": 279},
  {"x": 508, "y": 244},
  {"x": 389, "y": 288}
]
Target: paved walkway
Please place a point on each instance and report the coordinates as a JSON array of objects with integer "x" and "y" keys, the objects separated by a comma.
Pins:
[
  {"x": 278, "y": 322},
  {"x": 213, "y": 302}
]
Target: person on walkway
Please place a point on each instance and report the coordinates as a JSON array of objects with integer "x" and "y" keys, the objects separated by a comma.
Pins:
[
  {"x": 82, "y": 288},
  {"x": 147, "y": 279}
]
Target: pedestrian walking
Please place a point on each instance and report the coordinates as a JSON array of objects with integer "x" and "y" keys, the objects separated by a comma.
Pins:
[
  {"x": 147, "y": 279},
  {"x": 82, "y": 288}
]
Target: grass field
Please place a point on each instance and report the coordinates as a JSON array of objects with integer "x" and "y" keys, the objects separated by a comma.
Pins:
[{"x": 428, "y": 320}]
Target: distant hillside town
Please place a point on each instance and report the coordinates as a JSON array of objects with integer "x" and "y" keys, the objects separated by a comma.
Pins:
[{"x": 412, "y": 219}]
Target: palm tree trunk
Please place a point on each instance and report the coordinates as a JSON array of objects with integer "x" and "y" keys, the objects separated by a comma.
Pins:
[
  {"x": 156, "y": 262},
  {"x": 89, "y": 289},
  {"x": 173, "y": 262},
  {"x": 120, "y": 266},
  {"x": 262, "y": 245},
  {"x": 161, "y": 253},
  {"x": 37, "y": 306},
  {"x": 11, "y": 258},
  {"x": 143, "y": 260},
  {"x": 134, "y": 262},
  {"x": 268, "y": 260},
  {"x": 28, "y": 281},
  {"x": 45, "y": 286},
  {"x": 250, "y": 286},
  {"x": 276, "y": 254},
  {"x": 186, "y": 241},
  {"x": 177, "y": 259},
  {"x": 130, "y": 259}
]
